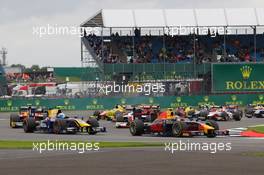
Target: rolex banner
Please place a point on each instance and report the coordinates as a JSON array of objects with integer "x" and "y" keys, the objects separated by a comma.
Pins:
[{"x": 238, "y": 77}]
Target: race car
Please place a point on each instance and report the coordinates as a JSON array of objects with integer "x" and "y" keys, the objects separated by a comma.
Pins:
[
  {"x": 176, "y": 128},
  {"x": 146, "y": 113},
  {"x": 122, "y": 119},
  {"x": 16, "y": 120},
  {"x": 221, "y": 113},
  {"x": 249, "y": 110},
  {"x": 259, "y": 112},
  {"x": 185, "y": 111},
  {"x": 68, "y": 125},
  {"x": 111, "y": 114},
  {"x": 202, "y": 112},
  {"x": 254, "y": 110}
]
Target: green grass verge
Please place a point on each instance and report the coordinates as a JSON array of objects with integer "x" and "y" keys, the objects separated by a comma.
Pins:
[
  {"x": 254, "y": 154},
  {"x": 258, "y": 128},
  {"x": 13, "y": 144}
]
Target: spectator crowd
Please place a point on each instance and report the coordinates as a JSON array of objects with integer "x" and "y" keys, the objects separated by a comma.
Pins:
[
  {"x": 176, "y": 49},
  {"x": 30, "y": 77}
]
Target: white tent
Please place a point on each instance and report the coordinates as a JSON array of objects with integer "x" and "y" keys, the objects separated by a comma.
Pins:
[
  {"x": 187, "y": 17},
  {"x": 129, "y": 18}
]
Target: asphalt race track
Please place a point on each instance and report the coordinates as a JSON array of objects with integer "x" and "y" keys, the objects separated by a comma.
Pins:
[
  {"x": 113, "y": 134},
  {"x": 133, "y": 161},
  {"x": 239, "y": 160}
]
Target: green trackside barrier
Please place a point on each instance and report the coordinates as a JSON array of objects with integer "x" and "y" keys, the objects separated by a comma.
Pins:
[
  {"x": 12, "y": 105},
  {"x": 146, "y": 71},
  {"x": 77, "y": 74},
  {"x": 156, "y": 68}
]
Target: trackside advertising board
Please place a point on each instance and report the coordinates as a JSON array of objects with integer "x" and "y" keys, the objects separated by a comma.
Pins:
[
  {"x": 237, "y": 77},
  {"x": 12, "y": 105}
]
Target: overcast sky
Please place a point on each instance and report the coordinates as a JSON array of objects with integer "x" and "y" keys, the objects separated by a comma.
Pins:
[{"x": 19, "y": 17}]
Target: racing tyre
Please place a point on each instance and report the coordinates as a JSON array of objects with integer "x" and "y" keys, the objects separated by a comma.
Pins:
[
  {"x": 93, "y": 122},
  {"x": 120, "y": 119},
  {"x": 13, "y": 119},
  {"x": 260, "y": 114},
  {"x": 224, "y": 115},
  {"x": 59, "y": 126},
  {"x": 97, "y": 114},
  {"x": 29, "y": 125},
  {"x": 204, "y": 114},
  {"x": 119, "y": 116},
  {"x": 136, "y": 127},
  {"x": 237, "y": 115},
  {"x": 178, "y": 128},
  {"x": 90, "y": 130},
  {"x": 249, "y": 112},
  {"x": 212, "y": 123},
  {"x": 103, "y": 129},
  {"x": 212, "y": 133},
  {"x": 72, "y": 124},
  {"x": 249, "y": 115}
]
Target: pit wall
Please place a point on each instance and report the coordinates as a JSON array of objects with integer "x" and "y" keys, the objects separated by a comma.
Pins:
[{"x": 12, "y": 105}]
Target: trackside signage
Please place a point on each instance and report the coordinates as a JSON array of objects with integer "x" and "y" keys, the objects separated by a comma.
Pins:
[
  {"x": 238, "y": 77},
  {"x": 13, "y": 105}
]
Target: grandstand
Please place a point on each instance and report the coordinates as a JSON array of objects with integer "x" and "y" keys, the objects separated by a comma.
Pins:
[{"x": 142, "y": 45}]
